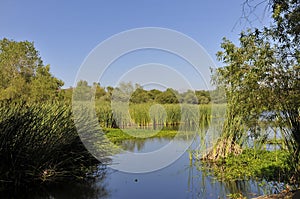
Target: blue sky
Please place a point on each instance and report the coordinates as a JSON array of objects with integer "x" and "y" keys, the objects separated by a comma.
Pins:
[{"x": 66, "y": 31}]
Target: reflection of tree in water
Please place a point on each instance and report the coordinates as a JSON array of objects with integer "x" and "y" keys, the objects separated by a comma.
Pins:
[
  {"x": 184, "y": 133},
  {"x": 130, "y": 145},
  {"x": 90, "y": 188}
]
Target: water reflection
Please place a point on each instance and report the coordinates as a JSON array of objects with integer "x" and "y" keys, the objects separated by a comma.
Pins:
[
  {"x": 151, "y": 144},
  {"x": 182, "y": 179},
  {"x": 90, "y": 188},
  {"x": 87, "y": 190}
]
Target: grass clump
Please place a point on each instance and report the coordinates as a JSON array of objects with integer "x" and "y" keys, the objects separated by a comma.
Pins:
[{"x": 39, "y": 144}]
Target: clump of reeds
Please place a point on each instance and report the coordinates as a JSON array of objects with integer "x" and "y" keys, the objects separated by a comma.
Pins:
[
  {"x": 39, "y": 143},
  {"x": 149, "y": 114}
]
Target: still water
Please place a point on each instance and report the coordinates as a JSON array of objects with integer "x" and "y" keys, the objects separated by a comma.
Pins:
[{"x": 182, "y": 179}]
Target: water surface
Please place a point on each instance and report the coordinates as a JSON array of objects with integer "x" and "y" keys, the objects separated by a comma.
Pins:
[{"x": 182, "y": 179}]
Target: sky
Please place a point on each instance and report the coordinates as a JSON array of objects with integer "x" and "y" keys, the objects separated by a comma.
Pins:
[{"x": 65, "y": 32}]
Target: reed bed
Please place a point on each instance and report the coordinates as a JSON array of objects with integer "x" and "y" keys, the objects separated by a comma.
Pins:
[
  {"x": 156, "y": 115},
  {"x": 39, "y": 144}
]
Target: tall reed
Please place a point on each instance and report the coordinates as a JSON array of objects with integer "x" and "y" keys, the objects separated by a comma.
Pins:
[
  {"x": 149, "y": 114},
  {"x": 39, "y": 143}
]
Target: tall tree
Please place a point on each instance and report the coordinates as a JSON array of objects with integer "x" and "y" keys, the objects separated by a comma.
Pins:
[
  {"x": 140, "y": 96},
  {"x": 262, "y": 74},
  {"x": 170, "y": 96},
  {"x": 286, "y": 33},
  {"x": 83, "y": 91},
  {"x": 23, "y": 75},
  {"x": 44, "y": 86}
]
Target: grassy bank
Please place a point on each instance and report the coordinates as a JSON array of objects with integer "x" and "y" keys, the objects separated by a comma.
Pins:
[
  {"x": 39, "y": 144},
  {"x": 118, "y": 135}
]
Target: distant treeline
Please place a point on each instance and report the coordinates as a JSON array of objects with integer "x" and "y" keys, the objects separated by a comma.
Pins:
[
  {"x": 24, "y": 77},
  {"x": 127, "y": 92}
]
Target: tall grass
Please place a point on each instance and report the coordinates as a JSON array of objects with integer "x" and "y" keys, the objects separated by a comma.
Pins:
[
  {"x": 148, "y": 114},
  {"x": 39, "y": 143}
]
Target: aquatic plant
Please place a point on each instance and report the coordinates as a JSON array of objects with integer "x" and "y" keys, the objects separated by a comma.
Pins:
[{"x": 39, "y": 144}]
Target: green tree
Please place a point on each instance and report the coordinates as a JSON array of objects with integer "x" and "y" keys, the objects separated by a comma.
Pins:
[
  {"x": 82, "y": 92},
  {"x": 170, "y": 96},
  {"x": 247, "y": 81},
  {"x": 99, "y": 91},
  {"x": 262, "y": 74},
  {"x": 154, "y": 93},
  {"x": 44, "y": 86},
  {"x": 23, "y": 75},
  {"x": 190, "y": 97},
  {"x": 140, "y": 96},
  {"x": 203, "y": 97},
  {"x": 109, "y": 92},
  {"x": 123, "y": 92},
  {"x": 286, "y": 33}
]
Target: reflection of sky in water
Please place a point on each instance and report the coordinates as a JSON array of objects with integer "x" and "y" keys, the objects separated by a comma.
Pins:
[
  {"x": 157, "y": 154},
  {"x": 182, "y": 179},
  {"x": 179, "y": 180}
]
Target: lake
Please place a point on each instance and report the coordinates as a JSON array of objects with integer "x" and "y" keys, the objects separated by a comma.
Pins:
[{"x": 182, "y": 179}]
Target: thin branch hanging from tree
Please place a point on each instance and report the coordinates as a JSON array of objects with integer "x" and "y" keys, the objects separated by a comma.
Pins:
[{"x": 249, "y": 15}]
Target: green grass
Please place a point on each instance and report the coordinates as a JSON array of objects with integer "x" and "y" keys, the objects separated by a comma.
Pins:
[
  {"x": 260, "y": 164},
  {"x": 118, "y": 135}
]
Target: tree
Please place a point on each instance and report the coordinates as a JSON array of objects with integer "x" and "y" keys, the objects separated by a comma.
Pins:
[
  {"x": 109, "y": 92},
  {"x": 123, "y": 92},
  {"x": 262, "y": 74},
  {"x": 189, "y": 97},
  {"x": 170, "y": 96},
  {"x": 203, "y": 97},
  {"x": 286, "y": 33},
  {"x": 218, "y": 95},
  {"x": 44, "y": 86},
  {"x": 82, "y": 92},
  {"x": 140, "y": 96},
  {"x": 153, "y": 93},
  {"x": 23, "y": 77},
  {"x": 247, "y": 79},
  {"x": 99, "y": 91}
]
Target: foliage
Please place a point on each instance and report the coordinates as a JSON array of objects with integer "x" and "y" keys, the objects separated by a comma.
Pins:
[
  {"x": 170, "y": 96},
  {"x": 140, "y": 96},
  {"x": 23, "y": 75},
  {"x": 82, "y": 92},
  {"x": 262, "y": 75},
  {"x": 126, "y": 92},
  {"x": 285, "y": 32}
]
